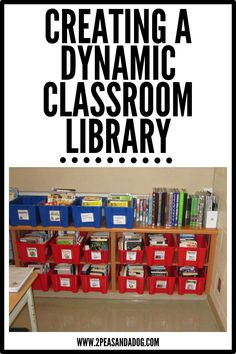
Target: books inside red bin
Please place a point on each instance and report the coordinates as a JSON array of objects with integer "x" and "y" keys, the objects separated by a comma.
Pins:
[
  {"x": 96, "y": 248},
  {"x": 130, "y": 248},
  {"x": 131, "y": 278},
  {"x": 67, "y": 247},
  {"x": 35, "y": 246},
  {"x": 191, "y": 280},
  {"x": 43, "y": 281},
  {"x": 95, "y": 277},
  {"x": 192, "y": 250},
  {"x": 65, "y": 277},
  {"x": 161, "y": 279},
  {"x": 159, "y": 249}
]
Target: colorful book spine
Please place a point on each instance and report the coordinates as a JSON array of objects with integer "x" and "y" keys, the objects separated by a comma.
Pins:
[
  {"x": 181, "y": 208},
  {"x": 149, "y": 210}
]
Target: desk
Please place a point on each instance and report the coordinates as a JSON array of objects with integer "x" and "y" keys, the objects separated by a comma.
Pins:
[{"x": 18, "y": 300}]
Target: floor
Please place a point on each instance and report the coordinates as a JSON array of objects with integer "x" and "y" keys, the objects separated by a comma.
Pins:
[{"x": 93, "y": 315}]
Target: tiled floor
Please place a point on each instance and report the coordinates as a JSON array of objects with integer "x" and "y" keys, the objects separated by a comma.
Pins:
[{"x": 92, "y": 315}]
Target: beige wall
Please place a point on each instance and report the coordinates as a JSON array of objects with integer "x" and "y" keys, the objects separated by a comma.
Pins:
[
  {"x": 220, "y": 264},
  {"x": 102, "y": 180}
]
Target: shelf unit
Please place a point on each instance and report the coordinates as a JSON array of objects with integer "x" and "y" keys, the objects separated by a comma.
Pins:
[{"x": 211, "y": 241}]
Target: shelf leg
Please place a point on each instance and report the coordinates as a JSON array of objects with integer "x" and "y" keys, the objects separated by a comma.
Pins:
[
  {"x": 210, "y": 263},
  {"x": 113, "y": 261}
]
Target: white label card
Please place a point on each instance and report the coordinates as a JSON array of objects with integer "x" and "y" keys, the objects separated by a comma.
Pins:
[
  {"x": 66, "y": 254},
  {"x": 96, "y": 255},
  {"x": 159, "y": 255},
  {"x": 23, "y": 214},
  {"x": 65, "y": 282},
  {"x": 32, "y": 252},
  {"x": 131, "y": 256},
  {"x": 191, "y": 256},
  {"x": 190, "y": 284},
  {"x": 87, "y": 217},
  {"x": 161, "y": 284},
  {"x": 131, "y": 284},
  {"x": 55, "y": 215},
  {"x": 94, "y": 283},
  {"x": 119, "y": 219}
]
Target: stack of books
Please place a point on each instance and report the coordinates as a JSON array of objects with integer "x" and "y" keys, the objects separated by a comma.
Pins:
[
  {"x": 130, "y": 241},
  {"x": 157, "y": 240},
  {"x": 188, "y": 271},
  {"x": 91, "y": 201},
  {"x": 132, "y": 270},
  {"x": 119, "y": 200},
  {"x": 61, "y": 196},
  {"x": 97, "y": 241},
  {"x": 158, "y": 271},
  {"x": 69, "y": 238},
  {"x": 95, "y": 269},
  {"x": 64, "y": 268},
  {"x": 187, "y": 240},
  {"x": 36, "y": 237}
]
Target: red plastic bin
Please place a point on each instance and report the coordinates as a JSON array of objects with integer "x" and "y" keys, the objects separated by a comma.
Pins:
[
  {"x": 131, "y": 283},
  {"x": 162, "y": 284},
  {"x": 66, "y": 253},
  {"x": 94, "y": 283},
  {"x": 189, "y": 256},
  {"x": 192, "y": 285},
  {"x": 65, "y": 282},
  {"x": 160, "y": 255},
  {"x": 130, "y": 257},
  {"x": 34, "y": 252},
  {"x": 96, "y": 257},
  {"x": 42, "y": 282}
]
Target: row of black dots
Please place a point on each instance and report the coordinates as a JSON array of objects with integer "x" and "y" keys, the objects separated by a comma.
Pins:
[{"x": 121, "y": 160}]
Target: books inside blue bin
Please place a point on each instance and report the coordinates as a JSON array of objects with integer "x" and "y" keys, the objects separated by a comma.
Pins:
[
  {"x": 55, "y": 215},
  {"x": 24, "y": 210},
  {"x": 87, "y": 211}
]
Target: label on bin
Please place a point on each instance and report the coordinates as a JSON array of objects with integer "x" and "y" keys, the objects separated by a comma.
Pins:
[
  {"x": 119, "y": 219},
  {"x": 32, "y": 252},
  {"x": 65, "y": 282},
  {"x": 159, "y": 255},
  {"x": 131, "y": 256},
  {"x": 131, "y": 284},
  {"x": 191, "y": 255},
  {"x": 66, "y": 254},
  {"x": 161, "y": 284},
  {"x": 54, "y": 215},
  {"x": 23, "y": 214},
  {"x": 96, "y": 255},
  {"x": 87, "y": 217},
  {"x": 94, "y": 283},
  {"x": 190, "y": 284}
]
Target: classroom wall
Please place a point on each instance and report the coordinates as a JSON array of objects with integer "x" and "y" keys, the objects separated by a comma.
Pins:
[
  {"x": 103, "y": 180},
  {"x": 220, "y": 264}
]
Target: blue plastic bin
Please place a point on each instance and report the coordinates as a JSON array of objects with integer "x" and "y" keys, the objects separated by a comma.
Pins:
[
  {"x": 24, "y": 210},
  {"x": 122, "y": 217},
  {"x": 55, "y": 215},
  {"x": 86, "y": 215}
]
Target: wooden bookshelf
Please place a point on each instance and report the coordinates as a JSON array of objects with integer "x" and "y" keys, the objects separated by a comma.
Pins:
[{"x": 114, "y": 232}]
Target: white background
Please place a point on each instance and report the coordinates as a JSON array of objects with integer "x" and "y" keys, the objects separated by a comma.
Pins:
[{"x": 34, "y": 140}]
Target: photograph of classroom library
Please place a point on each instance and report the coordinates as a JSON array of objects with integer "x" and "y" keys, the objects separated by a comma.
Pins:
[{"x": 121, "y": 249}]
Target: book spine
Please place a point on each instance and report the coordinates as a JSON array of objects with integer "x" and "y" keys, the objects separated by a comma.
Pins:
[
  {"x": 138, "y": 210},
  {"x": 159, "y": 207},
  {"x": 150, "y": 210},
  {"x": 181, "y": 208},
  {"x": 153, "y": 207},
  {"x": 176, "y": 208},
  {"x": 173, "y": 209}
]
